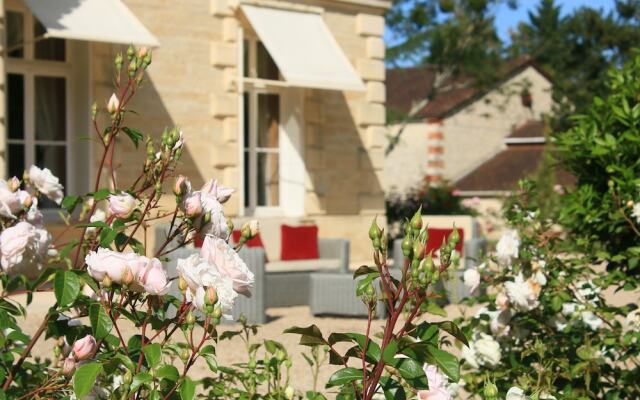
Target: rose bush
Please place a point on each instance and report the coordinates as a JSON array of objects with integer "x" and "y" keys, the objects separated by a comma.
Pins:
[
  {"x": 105, "y": 278},
  {"x": 558, "y": 316}
]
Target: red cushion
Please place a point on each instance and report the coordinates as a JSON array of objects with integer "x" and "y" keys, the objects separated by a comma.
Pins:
[
  {"x": 299, "y": 242},
  {"x": 437, "y": 236}
]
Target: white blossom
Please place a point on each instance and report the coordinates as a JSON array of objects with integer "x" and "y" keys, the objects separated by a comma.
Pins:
[
  {"x": 471, "y": 278},
  {"x": 483, "y": 350},
  {"x": 46, "y": 183},
  {"x": 507, "y": 247},
  {"x": 521, "y": 294}
]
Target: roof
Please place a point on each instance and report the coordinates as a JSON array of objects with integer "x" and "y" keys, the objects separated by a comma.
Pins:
[
  {"x": 504, "y": 170},
  {"x": 519, "y": 160},
  {"x": 409, "y": 86},
  {"x": 530, "y": 129}
]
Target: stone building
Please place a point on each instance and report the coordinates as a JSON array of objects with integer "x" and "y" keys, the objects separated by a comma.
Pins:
[
  {"x": 463, "y": 126},
  {"x": 281, "y": 100}
]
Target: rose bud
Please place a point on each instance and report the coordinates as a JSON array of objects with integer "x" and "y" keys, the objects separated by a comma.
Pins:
[
  {"x": 122, "y": 206},
  {"x": 182, "y": 186},
  {"x": 14, "y": 184},
  {"x": 84, "y": 348},
  {"x": 113, "y": 104},
  {"x": 210, "y": 297},
  {"x": 69, "y": 366}
]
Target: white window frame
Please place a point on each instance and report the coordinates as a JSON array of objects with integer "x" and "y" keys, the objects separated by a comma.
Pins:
[
  {"x": 77, "y": 94},
  {"x": 290, "y": 144}
]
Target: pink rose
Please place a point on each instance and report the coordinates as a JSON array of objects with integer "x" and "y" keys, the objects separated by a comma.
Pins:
[
  {"x": 14, "y": 242},
  {"x": 68, "y": 366},
  {"x": 154, "y": 278},
  {"x": 122, "y": 206},
  {"x": 84, "y": 348},
  {"x": 437, "y": 385},
  {"x": 105, "y": 262},
  {"x": 217, "y": 252},
  {"x": 221, "y": 193},
  {"x": 193, "y": 205}
]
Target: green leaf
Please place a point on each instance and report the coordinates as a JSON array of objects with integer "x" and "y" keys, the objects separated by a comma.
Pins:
[
  {"x": 142, "y": 378},
  {"x": 107, "y": 235},
  {"x": 101, "y": 194},
  {"x": 187, "y": 389},
  {"x": 135, "y": 135},
  {"x": 64, "y": 252},
  {"x": 344, "y": 375},
  {"x": 447, "y": 362},
  {"x": 364, "y": 270},
  {"x": 389, "y": 353},
  {"x": 168, "y": 372},
  {"x": 311, "y": 335},
  {"x": 373, "y": 351},
  {"x": 153, "y": 354},
  {"x": 84, "y": 379},
  {"x": 66, "y": 287},
  {"x": 454, "y": 331},
  {"x": 69, "y": 203},
  {"x": 412, "y": 372},
  {"x": 433, "y": 308},
  {"x": 100, "y": 321},
  {"x": 392, "y": 389}
]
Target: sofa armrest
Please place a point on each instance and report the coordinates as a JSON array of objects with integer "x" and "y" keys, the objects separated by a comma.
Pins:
[
  {"x": 474, "y": 249},
  {"x": 253, "y": 308},
  {"x": 337, "y": 249}
]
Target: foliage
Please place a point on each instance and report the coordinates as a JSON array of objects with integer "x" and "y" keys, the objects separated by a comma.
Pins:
[
  {"x": 578, "y": 49},
  {"x": 601, "y": 151},
  {"x": 395, "y": 360},
  {"x": 557, "y": 316}
]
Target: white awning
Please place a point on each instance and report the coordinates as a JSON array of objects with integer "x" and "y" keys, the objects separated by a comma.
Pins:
[
  {"x": 92, "y": 20},
  {"x": 303, "y": 48}
]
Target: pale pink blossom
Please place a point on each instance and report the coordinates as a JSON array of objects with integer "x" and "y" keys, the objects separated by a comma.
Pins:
[
  {"x": 437, "y": 385},
  {"x": 471, "y": 278},
  {"x": 12, "y": 201},
  {"x": 502, "y": 301},
  {"x": 113, "y": 104},
  {"x": 115, "y": 265},
  {"x": 193, "y": 205},
  {"x": 220, "y": 192},
  {"x": 46, "y": 183},
  {"x": 218, "y": 252},
  {"x": 154, "y": 278},
  {"x": 122, "y": 205},
  {"x": 24, "y": 247},
  {"x": 84, "y": 348}
]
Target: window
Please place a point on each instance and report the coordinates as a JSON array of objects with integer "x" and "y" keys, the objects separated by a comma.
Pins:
[
  {"x": 262, "y": 116},
  {"x": 37, "y": 84}
]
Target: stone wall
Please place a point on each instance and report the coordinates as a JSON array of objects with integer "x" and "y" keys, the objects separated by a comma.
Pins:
[
  {"x": 192, "y": 85},
  {"x": 477, "y": 132}
]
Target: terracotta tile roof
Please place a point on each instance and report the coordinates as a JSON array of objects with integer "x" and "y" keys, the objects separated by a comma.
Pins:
[
  {"x": 505, "y": 169},
  {"x": 408, "y": 86},
  {"x": 530, "y": 129}
]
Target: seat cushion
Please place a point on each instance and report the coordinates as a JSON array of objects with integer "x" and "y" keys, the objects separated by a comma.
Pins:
[
  {"x": 299, "y": 242},
  {"x": 438, "y": 235},
  {"x": 321, "y": 264}
]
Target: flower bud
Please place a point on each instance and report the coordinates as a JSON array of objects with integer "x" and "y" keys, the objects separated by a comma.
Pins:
[
  {"x": 131, "y": 51},
  {"x": 384, "y": 243},
  {"x": 185, "y": 355},
  {"x": 454, "y": 237},
  {"x": 629, "y": 203},
  {"x": 69, "y": 366},
  {"x": 230, "y": 225},
  {"x": 407, "y": 245},
  {"x": 25, "y": 176},
  {"x": 190, "y": 319},
  {"x": 14, "y": 184},
  {"x": 416, "y": 220},
  {"x": 106, "y": 282},
  {"x": 94, "y": 111},
  {"x": 418, "y": 250},
  {"x": 133, "y": 68},
  {"x": 113, "y": 104},
  {"x": 281, "y": 355},
  {"x": 127, "y": 378},
  {"x": 84, "y": 348},
  {"x": 374, "y": 230},
  {"x": 252, "y": 363},
  {"x": 27, "y": 202},
  {"x": 127, "y": 276},
  {"x": 182, "y": 284},
  {"x": 118, "y": 61},
  {"x": 207, "y": 218},
  {"x": 217, "y": 312},
  {"x": 490, "y": 391},
  {"x": 289, "y": 392},
  {"x": 428, "y": 265},
  {"x": 142, "y": 51},
  {"x": 181, "y": 186},
  {"x": 210, "y": 296}
]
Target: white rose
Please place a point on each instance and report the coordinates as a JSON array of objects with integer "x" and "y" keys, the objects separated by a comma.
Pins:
[
  {"x": 507, "y": 247},
  {"x": 483, "y": 350},
  {"x": 10, "y": 202},
  {"x": 46, "y": 183},
  {"x": 227, "y": 261},
  {"x": 521, "y": 294},
  {"x": 98, "y": 216},
  {"x": 471, "y": 278},
  {"x": 515, "y": 393},
  {"x": 199, "y": 274},
  {"x": 636, "y": 212},
  {"x": 23, "y": 247},
  {"x": 217, "y": 225},
  {"x": 502, "y": 301},
  {"x": 499, "y": 323},
  {"x": 591, "y": 320},
  {"x": 122, "y": 205}
]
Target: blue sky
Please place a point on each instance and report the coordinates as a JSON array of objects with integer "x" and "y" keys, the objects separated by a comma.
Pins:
[{"x": 507, "y": 18}]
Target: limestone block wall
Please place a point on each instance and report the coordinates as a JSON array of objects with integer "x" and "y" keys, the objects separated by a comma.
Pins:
[{"x": 477, "y": 132}]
